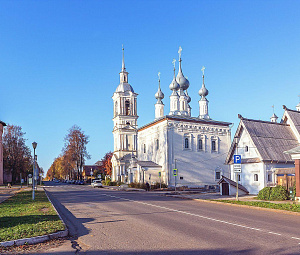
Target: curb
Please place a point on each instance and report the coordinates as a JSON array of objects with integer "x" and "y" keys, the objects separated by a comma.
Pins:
[
  {"x": 237, "y": 205},
  {"x": 39, "y": 239}
]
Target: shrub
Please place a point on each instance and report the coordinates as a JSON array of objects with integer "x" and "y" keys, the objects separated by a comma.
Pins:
[
  {"x": 279, "y": 193},
  {"x": 264, "y": 194}
]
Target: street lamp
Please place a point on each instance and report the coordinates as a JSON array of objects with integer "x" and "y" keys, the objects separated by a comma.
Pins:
[{"x": 34, "y": 144}]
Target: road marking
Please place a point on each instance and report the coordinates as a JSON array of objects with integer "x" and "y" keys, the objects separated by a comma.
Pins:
[{"x": 200, "y": 216}]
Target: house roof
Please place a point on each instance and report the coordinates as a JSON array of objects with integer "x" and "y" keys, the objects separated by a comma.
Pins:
[
  {"x": 233, "y": 183},
  {"x": 271, "y": 139},
  {"x": 284, "y": 170},
  {"x": 186, "y": 119},
  {"x": 148, "y": 164},
  {"x": 295, "y": 117},
  {"x": 293, "y": 151}
]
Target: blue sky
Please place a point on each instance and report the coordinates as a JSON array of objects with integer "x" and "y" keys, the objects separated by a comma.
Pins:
[{"x": 60, "y": 62}]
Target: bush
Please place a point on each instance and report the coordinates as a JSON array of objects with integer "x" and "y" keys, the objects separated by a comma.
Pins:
[
  {"x": 279, "y": 193},
  {"x": 264, "y": 194},
  {"x": 137, "y": 185}
]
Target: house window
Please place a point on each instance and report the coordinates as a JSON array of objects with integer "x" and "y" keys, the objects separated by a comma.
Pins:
[
  {"x": 157, "y": 144},
  {"x": 127, "y": 107},
  {"x": 144, "y": 148},
  {"x": 269, "y": 177},
  {"x": 186, "y": 143},
  {"x": 218, "y": 175},
  {"x": 246, "y": 149},
  {"x": 213, "y": 145},
  {"x": 255, "y": 177},
  {"x": 200, "y": 144}
]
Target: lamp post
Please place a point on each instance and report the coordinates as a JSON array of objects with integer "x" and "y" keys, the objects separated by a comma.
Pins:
[{"x": 34, "y": 144}]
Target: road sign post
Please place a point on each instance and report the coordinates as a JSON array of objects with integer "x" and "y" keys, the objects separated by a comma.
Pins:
[{"x": 237, "y": 168}]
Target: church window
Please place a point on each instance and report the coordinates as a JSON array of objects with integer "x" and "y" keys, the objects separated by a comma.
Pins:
[
  {"x": 213, "y": 145},
  {"x": 186, "y": 143},
  {"x": 127, "y": 123},
  {"x": 127, "y": 107},
  {"x": 144, "y": 148},
  {"x": 246, "y": 148},
  {"x": 218, "y": 175},
  {"x": 255, "y": 177},
  {"x": 200, "y": 144},
  {"x": 157, "y": 144},
  {"x": 239, "y": 177}
]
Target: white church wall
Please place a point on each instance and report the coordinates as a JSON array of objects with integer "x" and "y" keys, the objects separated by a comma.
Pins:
[
  {"x": 148, "y": 137},
  {"x": 197, "y": 167}
]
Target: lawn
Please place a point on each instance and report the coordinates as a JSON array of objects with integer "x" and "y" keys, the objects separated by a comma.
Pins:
[
  {"x": 286, "y": 207},
  {"x": 20, "y": 217}
]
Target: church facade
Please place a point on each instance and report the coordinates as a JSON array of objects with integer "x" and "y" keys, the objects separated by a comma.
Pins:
[{"x": 195, "y": 146}]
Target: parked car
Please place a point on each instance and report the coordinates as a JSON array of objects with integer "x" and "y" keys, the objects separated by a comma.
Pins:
[{"x": 97, "y": 183}]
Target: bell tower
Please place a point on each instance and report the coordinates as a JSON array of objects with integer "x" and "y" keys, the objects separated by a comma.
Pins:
[{"x": 125, "y": 126}]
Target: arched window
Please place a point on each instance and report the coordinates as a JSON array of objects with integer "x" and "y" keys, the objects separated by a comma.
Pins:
[
  {"x": 127, "y": 107},
  {"x": 144, "y": 148},
  {"x": 200, "y": 144},
  {"x": 256, "y": 177},
  {"x": 186, "y": 143},
  {"x": 157, "y": 144},
  {"x": 246, "y": 149},
  {"x": 239, "y": 177}
]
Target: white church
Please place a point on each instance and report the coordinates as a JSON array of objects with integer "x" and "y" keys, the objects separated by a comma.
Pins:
[{"x": 195, "y": 146}]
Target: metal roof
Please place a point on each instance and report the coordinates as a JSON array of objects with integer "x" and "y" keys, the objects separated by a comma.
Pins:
[
  {"x": 233, "y": 183},
  {"x": 147, "y": 164},
  {"x": 295, "y": 118}
]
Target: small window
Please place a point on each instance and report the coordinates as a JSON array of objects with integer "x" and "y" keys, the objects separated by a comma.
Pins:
[
  {"x": 246, "y": 149},
  {"x": 218, "y": 175},
  {"x": 239, "y": 177},
  {"x": 255, "y": 177},
  {"x": 269, "y": 177},
  {"x": 127, "y": 123},
  {"x": 186, "y": 143},
  {"x": 200, "y": 144},
  {"x": 157, "y": 144},
  {"x": 213, "y": 145},
  {"x": 144, "y": 148}
]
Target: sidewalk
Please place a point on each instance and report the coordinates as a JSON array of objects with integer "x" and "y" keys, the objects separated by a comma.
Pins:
[{"x": 6, "y": 192}]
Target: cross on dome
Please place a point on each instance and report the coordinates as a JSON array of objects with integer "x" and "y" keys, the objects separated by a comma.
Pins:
[
  {"x": 202, "y": 69},
  {"x": 179, "y": 52}
]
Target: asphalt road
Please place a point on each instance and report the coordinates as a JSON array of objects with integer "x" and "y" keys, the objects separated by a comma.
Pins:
[{"x": 103, "y": 221}]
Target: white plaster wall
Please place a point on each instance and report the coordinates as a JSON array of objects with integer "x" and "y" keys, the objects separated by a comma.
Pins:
[{"x": 196, "y": 167}]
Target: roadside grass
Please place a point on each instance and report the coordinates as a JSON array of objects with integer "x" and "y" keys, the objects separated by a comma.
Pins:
[
  {"x": 281, "y": 206},
  {"x": 20, "y": 217}
]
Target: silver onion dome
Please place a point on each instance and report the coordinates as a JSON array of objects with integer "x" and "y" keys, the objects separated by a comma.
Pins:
[
  {"x": 203, "y": 92},
  {"x": 181, "y": 80},
  {"x": 174, "y": 85},
  {"x": 188, "y": 98},
  {"x": 159, "y": 94}
]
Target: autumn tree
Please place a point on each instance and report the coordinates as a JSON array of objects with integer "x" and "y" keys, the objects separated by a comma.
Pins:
[
  {"x": 106, "y": 162},
  {"x": 75, "y": 148},
  {"x": 16, "y": 155}
]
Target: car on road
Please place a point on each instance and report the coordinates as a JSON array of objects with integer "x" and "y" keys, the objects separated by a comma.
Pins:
[{"x": 97, "y": 183}]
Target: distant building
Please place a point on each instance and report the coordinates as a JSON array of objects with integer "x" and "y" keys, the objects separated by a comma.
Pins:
[
  {"x": 261, "y": 145},
  {"x": 90, "y": 170},
  {"x": 2, "y": 125},
  {"x": 195, "y": 146}
]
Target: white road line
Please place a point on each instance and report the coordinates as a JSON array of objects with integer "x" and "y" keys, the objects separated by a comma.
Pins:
[{"x": 197, "y": 215}]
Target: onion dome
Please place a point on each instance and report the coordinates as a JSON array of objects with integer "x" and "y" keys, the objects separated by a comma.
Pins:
[
  {"x": 188, "y": 98},
  {"x": 174, "y": 85},
  {"x": 181, "y": 80},
  {"x": 203, "y": 92},
  {"x": 159, "y": 95}
]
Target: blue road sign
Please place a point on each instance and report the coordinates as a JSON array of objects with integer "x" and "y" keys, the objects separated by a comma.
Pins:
[{"x": 237, "y": 159}]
